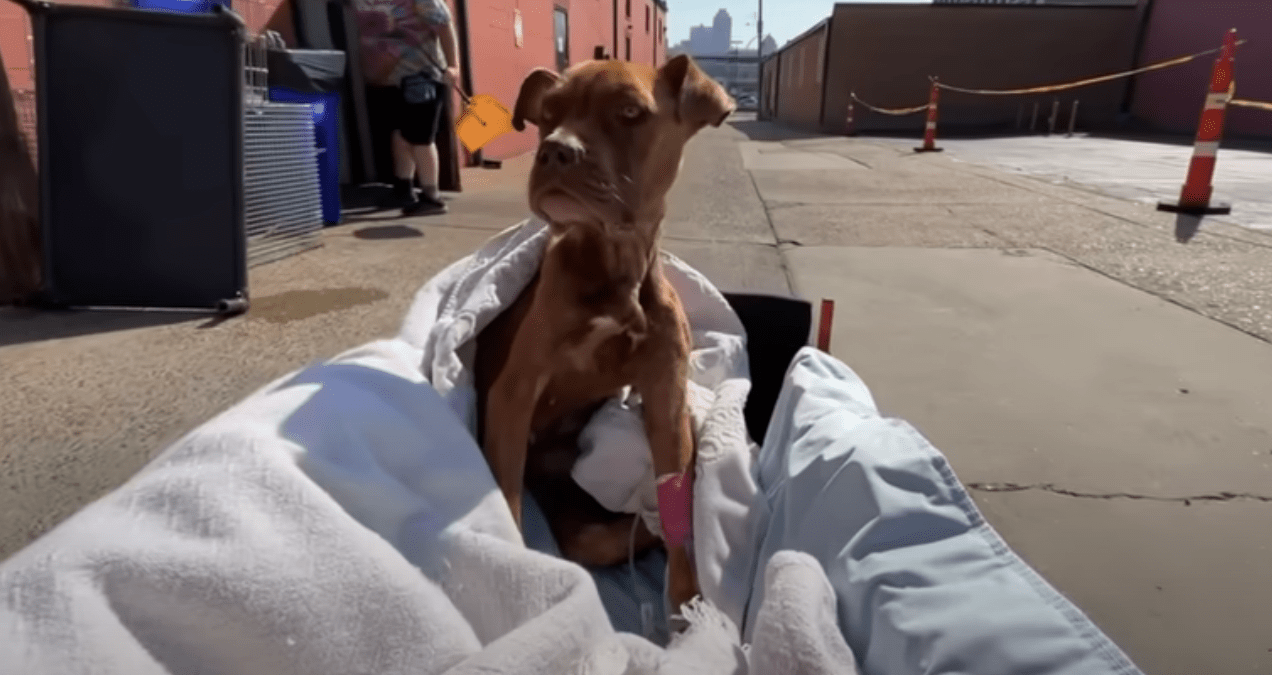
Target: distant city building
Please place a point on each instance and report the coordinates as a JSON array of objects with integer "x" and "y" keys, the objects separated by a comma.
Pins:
[
  {"x": 721, "y": 32},
  {"x": 700, "y": 41},
  {"x": 721, "y": 57},
  {"x": 713, "y": 40},
  {"x": 716, "y": 39}
]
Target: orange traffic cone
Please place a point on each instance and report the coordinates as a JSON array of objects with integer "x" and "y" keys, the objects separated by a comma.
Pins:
[
  {"x": 1194, "y": 198},
  {"x": 929, "y": 133}
]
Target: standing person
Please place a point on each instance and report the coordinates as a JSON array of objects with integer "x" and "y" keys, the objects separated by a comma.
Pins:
[{"x": 409, "y": 57}]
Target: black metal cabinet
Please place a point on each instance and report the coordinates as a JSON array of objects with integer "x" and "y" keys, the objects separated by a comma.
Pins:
[{"x": 140, "y": 124}]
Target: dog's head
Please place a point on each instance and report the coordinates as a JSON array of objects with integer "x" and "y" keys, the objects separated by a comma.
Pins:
[{"x": 611, "y": 136}]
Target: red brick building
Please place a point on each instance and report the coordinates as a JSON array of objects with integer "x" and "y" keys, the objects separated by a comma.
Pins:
[
  {"x": 633, "y": 30},
  {"x": 505, "y": 39}
]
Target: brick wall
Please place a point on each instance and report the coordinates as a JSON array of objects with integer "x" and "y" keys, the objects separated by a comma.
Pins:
[
  {"x": 800, "y": 74},
  {"x": 1171, "y": 100},
  {"x": 499, "y": 65},
  {"x": 645, "y": 28},
  {"x": 887, "y": 52}
]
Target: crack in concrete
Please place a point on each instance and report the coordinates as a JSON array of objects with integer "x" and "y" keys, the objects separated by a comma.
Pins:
[
  {"x": 777, "y": 238},
  {"x": 1049, "y": 487},
  {"x": 854, "y": 159}
]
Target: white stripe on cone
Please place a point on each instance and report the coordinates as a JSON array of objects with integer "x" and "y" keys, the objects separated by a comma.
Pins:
[
  {"x": 1217, "y": 100},
  {"x": 1206, "y": 149}
]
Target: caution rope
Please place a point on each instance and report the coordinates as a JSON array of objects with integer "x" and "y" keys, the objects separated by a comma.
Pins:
[
  {"x": 1244, "y": 103},
  {"x": 1089, "y": 81},
  {"x": 890, "y": 111}
]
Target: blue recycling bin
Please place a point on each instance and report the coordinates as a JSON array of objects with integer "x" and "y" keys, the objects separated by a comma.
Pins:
[
  {"x": 181, "y": 6},
  {"x": 326, "y": 109}
]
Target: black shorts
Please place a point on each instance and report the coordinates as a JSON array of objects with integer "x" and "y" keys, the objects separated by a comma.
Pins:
[{"x": 416, "y": 121}]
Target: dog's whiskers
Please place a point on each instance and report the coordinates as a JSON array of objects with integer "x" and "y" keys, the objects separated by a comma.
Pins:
[
  {"x": 603, "y": 190},
  {"x": 618, "y": 198}
]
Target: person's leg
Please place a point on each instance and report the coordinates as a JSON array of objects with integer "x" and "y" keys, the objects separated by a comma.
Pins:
[
  {"x": 403, "y": 158},
  {"x": 425, "y": 161},
  {"x": 419, "y": 129},
  {"x": 403, "y": 170},
  {"x": 393, "y": 154}
]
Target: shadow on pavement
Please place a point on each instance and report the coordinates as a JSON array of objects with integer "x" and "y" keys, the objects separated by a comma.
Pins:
[
  {"x": 363, "y": 197},
  {"x": 20, "y": 325},
  {"x": 379, "y": 232},
  {"x": 771, "y": 131},
  {"x": 1186, "y": 227}
]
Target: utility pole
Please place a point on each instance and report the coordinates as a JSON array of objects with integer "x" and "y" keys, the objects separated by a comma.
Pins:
[
  {"x": 733, "y": 71},
  {"x": 759, "y": 33}
]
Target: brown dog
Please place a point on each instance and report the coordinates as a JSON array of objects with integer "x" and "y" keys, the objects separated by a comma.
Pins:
[{"x": 599, "y": 315}]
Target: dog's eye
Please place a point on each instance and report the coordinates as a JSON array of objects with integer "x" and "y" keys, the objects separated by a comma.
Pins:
[{"x": 631, "y": 113}]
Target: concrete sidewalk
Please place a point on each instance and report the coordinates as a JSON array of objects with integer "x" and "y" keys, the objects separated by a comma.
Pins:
[
  {"x": 1102, "y": 389},
  {"x": 1072, "y": 360}
]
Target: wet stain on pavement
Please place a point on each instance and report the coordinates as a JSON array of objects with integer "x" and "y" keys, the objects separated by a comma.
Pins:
[{"x": 296, "y": 305}]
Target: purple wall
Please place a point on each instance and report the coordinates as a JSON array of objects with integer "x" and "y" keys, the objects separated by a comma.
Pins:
[{"x": 1171, "y": 99}]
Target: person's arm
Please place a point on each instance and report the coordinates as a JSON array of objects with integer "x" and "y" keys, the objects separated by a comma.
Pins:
[
  {"x": 450, "y": 45},
  {"x": 437, "y": 14}
]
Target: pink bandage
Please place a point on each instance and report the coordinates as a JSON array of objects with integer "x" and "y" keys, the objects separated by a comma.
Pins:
[{"x": 675, "y": 507}]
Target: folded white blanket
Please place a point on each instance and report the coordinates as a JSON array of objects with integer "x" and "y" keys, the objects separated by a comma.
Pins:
[{"x": 342, "y": 520}]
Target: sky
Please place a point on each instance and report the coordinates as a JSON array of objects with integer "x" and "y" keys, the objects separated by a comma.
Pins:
[{"x": 783, "y": 19}]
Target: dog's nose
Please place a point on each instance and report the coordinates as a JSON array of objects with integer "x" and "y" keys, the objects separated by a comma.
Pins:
[{"x": 560, "y": 150}]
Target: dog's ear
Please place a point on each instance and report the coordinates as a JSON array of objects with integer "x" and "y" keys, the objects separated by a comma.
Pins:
[
  {"x": 700, "y": 100},
  {"x": 530, "y": 99}
]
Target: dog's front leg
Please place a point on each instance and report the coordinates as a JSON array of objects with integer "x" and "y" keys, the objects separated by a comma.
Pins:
[
  {"x": 665, "y": 409},
  {"x": 510, "y": 406}
]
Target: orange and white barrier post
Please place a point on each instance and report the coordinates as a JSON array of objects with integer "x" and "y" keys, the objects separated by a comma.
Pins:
[
  {"x": 849, "y": 128},
  {"x": 929, "y": 133},
  {"x": 1194, "y": 198}
]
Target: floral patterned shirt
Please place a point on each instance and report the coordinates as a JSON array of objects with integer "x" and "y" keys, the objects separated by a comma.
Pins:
[{"x": 397, "y": 37}]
